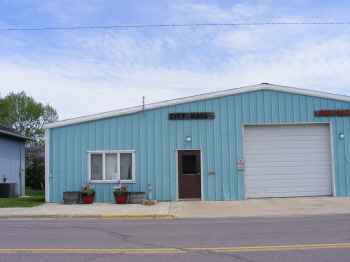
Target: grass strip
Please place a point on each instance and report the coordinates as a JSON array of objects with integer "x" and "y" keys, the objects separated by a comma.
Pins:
[
  {"x": 33, "y": 198},
  {"x": 22, "y": 201}
]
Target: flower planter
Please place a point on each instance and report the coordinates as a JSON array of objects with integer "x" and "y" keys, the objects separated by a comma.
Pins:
[
  {"x": 71, "y": 197},
  {"x": 121, "y": 199},
  {"x": 88, "y": 199}
]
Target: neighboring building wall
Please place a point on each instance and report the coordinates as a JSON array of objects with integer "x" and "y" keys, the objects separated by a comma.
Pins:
[
  {"x": 155, "y": 140},
  {"x": 12, "y": 160}
]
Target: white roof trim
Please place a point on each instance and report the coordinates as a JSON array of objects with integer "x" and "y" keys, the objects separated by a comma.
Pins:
[{"x": 189, "y": 99}]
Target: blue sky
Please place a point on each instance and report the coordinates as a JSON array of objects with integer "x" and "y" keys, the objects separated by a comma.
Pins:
[{"x": 89, "y": 71}]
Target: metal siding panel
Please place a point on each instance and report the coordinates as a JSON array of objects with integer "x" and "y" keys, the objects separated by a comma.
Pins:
[
  {"x": 267, "y": 106},
  {"x": 158, "y": 158},
  {"x": 187, "y": 131},
  {"x": 226, "y": 171},
  {"x": 210, "y": 187},
  {"x": 253, "y": 106},
  {"x": 260, "y": 106},
  {"x": 129, "y": 133},
  {"x": 151, "y": 149},
  {"x": 92, "y": 135},
  {"x": 195, "y": 133},
  {"x": 274, "y": 107},
  {"x": 218, "y": 150},
  {"x": 121, "y": 132},
  {"x": 78, "y": 157},
  {"x": 233, "y": 179},
  {"x": 239, "y": 148},
  {"x": 202, "y": 144},
  {"x": 310, "y": 108},
  {"x": 282, "y": 110},
  {"x": 303, "y": 108},
  {"x": 143, "y": 152},
  {"x": 289, "y": 108},
  {"x": 165, "y": 152},
  {"x": 296, "y": 108},
  {"x": 136, "y": 146},
  {"x": 245, "y": 111},
  {"x": 106, "y": 134},
  {"x": 114, "y": 133},
  {"x": 179, "y": 128},
  {"x": 85, "y": 148},
  {"x": 63, "y": 161},
  {"x": 339, "y": 125},
  {"x": 172, "y": 155},
  {"x": 99, "y": 135},
  {"x": 70, "y": 152}
]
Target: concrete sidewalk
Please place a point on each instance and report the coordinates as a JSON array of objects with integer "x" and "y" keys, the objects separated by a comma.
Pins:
[{"x": 186, "y": 209}]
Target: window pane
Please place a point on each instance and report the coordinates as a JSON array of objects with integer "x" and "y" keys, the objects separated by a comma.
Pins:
[
  {"x": 189, "y": 165},
  {"x": 126, "y": 166},
  {"x": 96, "y": 167},
  {"x": 111, "y": 165}
]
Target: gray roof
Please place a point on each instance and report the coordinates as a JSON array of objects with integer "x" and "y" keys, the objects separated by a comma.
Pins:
[{"x": 9, "y": 131}]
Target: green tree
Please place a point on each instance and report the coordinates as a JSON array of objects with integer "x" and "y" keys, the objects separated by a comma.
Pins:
[
  {"x": 26, "y": 115},
  {"x": 35, "y": 167}
]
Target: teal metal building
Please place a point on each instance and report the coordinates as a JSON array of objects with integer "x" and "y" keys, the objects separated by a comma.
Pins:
[{"x": 250, "y": 142}]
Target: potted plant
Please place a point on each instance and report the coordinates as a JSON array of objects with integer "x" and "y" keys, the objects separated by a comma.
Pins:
[
  {"x": 87, "y": 194},
  {"x": 120, "y": 194}
]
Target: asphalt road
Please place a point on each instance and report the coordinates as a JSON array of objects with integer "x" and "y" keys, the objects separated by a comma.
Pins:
[{"x": 313, "y": 238}]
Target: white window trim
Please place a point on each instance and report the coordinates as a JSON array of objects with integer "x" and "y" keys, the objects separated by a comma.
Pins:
[{"x": 103, "y": 181}]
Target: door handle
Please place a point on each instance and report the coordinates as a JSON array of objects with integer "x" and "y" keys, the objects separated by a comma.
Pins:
[{"x": 199, "y": 174}]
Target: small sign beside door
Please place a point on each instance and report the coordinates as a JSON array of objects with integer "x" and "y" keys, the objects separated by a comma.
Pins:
[{"x": 240, "y": 164}]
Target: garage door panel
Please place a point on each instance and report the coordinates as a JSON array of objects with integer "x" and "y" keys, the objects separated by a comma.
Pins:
[
  {"x": 284, "y": 138},
  {"x": 287, "y": 151},
  {"x": 292, "y": 184},
  {"x": 292, "y": 193},
  {"x": 287, "y": 164},
  {"x": 287, "y": 160},
  {"x": 266, "y": 177},
  {"x": 282, "y": 171},
  {"x": 287, "y": 130},
  {"x": 285, "y": 144},
  {"x": 275, "y": 158}
]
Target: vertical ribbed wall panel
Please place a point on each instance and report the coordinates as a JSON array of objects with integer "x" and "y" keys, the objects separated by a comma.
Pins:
[{"x": 155, "y": 140}]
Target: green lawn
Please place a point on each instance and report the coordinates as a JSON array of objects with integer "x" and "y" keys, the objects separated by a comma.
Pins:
[{"x": 34, "y": 198}]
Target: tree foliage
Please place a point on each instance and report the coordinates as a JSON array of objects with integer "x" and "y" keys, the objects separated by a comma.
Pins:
[
  {"x": 35, "y": 167},
  {"x": 26, "y": 115}
]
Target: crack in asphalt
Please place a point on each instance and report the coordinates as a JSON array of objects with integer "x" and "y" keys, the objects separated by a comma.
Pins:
[{"x": 124, "y": 238}]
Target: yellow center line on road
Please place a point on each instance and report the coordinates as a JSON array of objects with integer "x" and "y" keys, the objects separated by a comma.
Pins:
[{"x": 176, "y": 250}]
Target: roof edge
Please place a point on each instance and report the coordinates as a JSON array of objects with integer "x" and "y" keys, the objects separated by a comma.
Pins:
[
  {"x": 241, "y": 90},
  {"x": 16, "y": 135}
]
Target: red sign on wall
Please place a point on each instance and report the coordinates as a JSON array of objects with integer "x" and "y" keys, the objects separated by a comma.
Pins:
[
  {"x": 338, "y": 112},
  {"x": 241, "y": 163}
]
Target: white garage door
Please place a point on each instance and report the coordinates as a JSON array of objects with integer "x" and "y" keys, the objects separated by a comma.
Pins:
[{"x": 287, "y": 160}]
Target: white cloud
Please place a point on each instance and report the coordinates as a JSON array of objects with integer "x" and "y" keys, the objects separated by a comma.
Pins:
[{"x": 215, "y": 14}]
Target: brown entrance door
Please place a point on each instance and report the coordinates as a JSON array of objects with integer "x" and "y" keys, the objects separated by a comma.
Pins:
[{"x": 189, "y": 176}]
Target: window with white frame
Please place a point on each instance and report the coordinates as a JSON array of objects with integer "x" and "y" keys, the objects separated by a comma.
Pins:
[{"x": 111, "y": 166}]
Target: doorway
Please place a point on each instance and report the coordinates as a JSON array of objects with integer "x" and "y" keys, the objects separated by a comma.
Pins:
[{"x": 189, "y": 174}]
